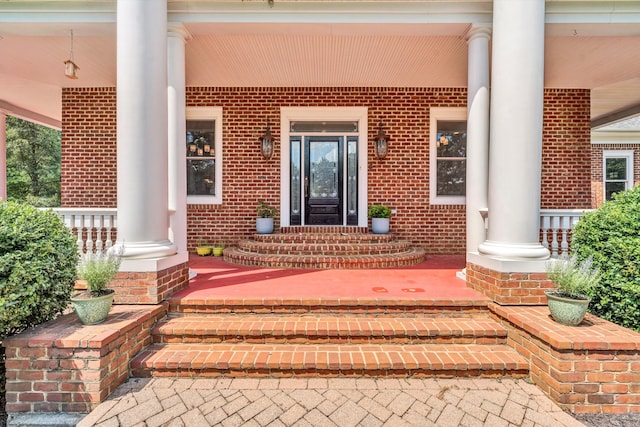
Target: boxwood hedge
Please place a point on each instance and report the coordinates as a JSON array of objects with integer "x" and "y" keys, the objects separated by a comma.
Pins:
[
  {"x": 38, "y": 260},
  {"x": 610, "y": 235}
]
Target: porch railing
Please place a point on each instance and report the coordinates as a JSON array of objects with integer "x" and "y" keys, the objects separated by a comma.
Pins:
[
  {"x": 556, "y": 227},
  {"x": 95, "y": 228}
]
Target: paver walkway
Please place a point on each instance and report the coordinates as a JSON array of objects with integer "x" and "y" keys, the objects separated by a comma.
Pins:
[{"x": 318, "y": 402}]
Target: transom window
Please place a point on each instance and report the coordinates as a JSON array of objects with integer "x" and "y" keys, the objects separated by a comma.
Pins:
[
  {"x": 448, "y": 156},
  {"x": 203, "y": 154},
  {"x": 617, "y": 172}
]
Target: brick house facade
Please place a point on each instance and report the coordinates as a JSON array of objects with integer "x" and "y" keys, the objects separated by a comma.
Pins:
[{"x": 401, "y": 180}]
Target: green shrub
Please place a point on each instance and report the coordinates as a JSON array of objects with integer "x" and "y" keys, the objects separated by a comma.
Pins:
[
  {"x": 379, "y": 211},
  {"x": 38, "y": 259},
  {"x": 610, "y": 236}
]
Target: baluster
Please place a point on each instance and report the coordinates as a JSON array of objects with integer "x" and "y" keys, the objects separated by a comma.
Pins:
[
  {"x": 89, "y": 243},
  {"x": 110, "y": 227},
  {"x": 100, "y": 226},
  {"x": 554, "y": 236},
  {"x": 564, "y": 243},
  {"x": 545, "y": 227},
  {"x": 78, "y": 231}
]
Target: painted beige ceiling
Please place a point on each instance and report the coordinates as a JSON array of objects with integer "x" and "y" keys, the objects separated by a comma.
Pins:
[{"x": 281, "y": 54}]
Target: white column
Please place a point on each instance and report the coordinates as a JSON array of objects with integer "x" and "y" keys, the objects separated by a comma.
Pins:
[
  {"x": 3, "y": 156},
  {"x": 177, "y": 139},
  {"x": 143, "y": 214},
  {"x": 515, "y": 158},
  {"x": 477, "y": 134}
]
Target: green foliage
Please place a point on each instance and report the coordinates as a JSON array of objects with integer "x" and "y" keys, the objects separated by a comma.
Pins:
[
  {"x": 38, "y": 259},
  {"x": 573, "y": 278},
  {"x": 610, "y": 236},
  {"x": 266, "y": 211},
  {"x": 379, "y": 211},
  {"x": 33, "y": 163},
  {"x": 98, "y": 270}
]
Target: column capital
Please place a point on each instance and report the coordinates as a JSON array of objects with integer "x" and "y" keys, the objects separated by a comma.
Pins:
[{"x": 477, "y": 31}]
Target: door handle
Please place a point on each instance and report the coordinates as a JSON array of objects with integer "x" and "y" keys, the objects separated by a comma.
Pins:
[{"x": 306, "y": 186}]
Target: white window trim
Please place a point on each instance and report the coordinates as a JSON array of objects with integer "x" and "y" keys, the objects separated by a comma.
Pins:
[
  {"x": 435, "y": 114},
  {"x": 209, "y": 113},
  {"x": 288, "y": 114},
  {"x": 617, "y": 154}
]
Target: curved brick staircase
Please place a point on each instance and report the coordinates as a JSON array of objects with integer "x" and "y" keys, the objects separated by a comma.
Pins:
[
  {"x": 332, "y": 338},
  {"x": 324, "y": 247}
]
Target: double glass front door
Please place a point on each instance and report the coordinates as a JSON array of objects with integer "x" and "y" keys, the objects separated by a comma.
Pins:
[{"x": 324, "y": 180}]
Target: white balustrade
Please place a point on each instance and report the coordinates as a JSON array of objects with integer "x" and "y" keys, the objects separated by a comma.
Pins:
[
  {"x": 556, "y": 226},
  {"x": 94, "y": 228}
]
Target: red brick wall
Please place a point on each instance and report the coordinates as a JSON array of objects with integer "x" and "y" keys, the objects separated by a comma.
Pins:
[
  {"x": 566, "y": 158},
  {"x": 401, "y": 180},
  {"x": 89, "y": 148},
  {"x": 597, "y": 195}
]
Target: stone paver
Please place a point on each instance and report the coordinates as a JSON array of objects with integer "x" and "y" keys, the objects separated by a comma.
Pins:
[{"x": 320, "y": 402}]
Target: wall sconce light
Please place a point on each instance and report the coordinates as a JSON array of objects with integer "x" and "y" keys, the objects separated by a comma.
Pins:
[
  {"x": 70, "y": 67},
  {"x": 266, "y": 143},
  {"x": 381, "y": 143}
]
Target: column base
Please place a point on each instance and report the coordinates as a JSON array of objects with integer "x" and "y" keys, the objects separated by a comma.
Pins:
[
  {"x": 145, "y": 250},
  {"x": 515, "y": 251}
]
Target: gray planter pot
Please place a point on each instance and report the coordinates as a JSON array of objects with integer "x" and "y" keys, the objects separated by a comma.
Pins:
[
  {"x": 380, "y": 225},
  {"x": 567, "y": 311},
  {"x": 264, "y": 225},
  {"x": 93, "y": 310}
]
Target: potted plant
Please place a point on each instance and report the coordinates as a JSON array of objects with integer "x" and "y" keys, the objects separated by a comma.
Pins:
[
  {"x": 218, "y": 249},
  {"x": 97, "y": 270},
  {"x": 264, "y": 222},
  {"x": 203, "y": 248},
  {"x": 569, "y": 302},
  {"x": 380, "y": 215}
]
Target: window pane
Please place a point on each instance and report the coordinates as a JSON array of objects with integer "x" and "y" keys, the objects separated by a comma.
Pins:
[
  {"x": 296, "y": 188},
  {"x": 324, "y": 126},
  {"x": 201, "y": 177},
  {"x": 612, "y": 188},
  {"x": 616, "y": 168},
  {"x": 451, "y": 139},
  {"x": 451, "y": 177},
  {"x": 200, "y": 138}
]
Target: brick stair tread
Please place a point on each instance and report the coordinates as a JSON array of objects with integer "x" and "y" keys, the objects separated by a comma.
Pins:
[
  {"x": 309, "y": 328},
  {"x": 409, "y": 257},
  {"x": 191, "y": 359},
  {"x": 324, "y": 238}
]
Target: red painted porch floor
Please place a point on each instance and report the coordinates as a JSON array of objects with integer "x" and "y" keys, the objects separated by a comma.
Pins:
[{"x": 434, "y": 280}]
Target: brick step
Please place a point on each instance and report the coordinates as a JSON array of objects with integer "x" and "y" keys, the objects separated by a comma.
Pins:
[
  {"x": 331, "y": 248},
  {"x": 324, "y": 238},
  {"x": 278, "y": 360},
  {"x": 406, "y": 258},
  {"x": 411, "y": 306},
  {"x": 323, "y": 229},
  {"x": 327, "y": 329}
]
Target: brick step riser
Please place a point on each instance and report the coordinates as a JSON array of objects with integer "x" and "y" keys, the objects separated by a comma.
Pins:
[
  {"x": 435, "y": 311},
  {"x": 291, "y": 261},
  {"x": 323, "y": 229},
  {"x": 324, "y": 249},
  {"x": 327, "y": 373},
  {"x": 234, "y": 339}
]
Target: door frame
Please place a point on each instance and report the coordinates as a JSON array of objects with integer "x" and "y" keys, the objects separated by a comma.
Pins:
[{"x": 288, "y": 114}]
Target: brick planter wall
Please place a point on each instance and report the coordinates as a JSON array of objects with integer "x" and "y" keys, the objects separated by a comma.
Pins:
[
  {"x": 401, "y": 180},
  {"x": 63, "y": 366},
  {"x": 590, "y": 368}
]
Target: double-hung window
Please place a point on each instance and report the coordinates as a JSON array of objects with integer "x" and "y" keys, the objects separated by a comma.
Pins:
[
  {"x": 617, "y": 171},
  {"x": 204, "y": 155},
  {"x": 448, "y": 156}
]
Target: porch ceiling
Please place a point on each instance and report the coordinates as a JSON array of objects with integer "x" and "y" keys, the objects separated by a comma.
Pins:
[{"x": 598, "y": 56}]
